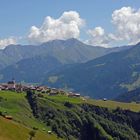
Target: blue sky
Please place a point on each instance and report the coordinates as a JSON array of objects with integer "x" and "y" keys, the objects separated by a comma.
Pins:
[{"x": 17, "y": 16}]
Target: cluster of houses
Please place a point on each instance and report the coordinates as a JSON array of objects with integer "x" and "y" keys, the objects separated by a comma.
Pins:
[{"x": 18, "y": 87}]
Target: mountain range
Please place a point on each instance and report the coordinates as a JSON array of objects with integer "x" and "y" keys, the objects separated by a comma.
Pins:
[
  {"x": 91, "y": 70},
  {"x": 69, "y": 51},
  {"x": 104, "y": 77}
]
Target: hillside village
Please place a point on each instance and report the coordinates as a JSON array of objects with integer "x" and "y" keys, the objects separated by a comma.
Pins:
[{"x": 19, "y": 88}]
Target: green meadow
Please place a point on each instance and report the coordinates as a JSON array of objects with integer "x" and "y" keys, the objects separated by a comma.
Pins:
[
  {"x": 108, "y": 104},
  {"x": 17, "y": 106}
]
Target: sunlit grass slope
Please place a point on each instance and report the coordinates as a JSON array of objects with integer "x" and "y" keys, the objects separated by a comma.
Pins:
[
  {"x": 108, "y": 104},
  {"x": 16, "y": 105}
]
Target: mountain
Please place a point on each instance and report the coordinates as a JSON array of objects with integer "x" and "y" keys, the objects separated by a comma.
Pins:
[
  {"x": 30, "y": 70},
  {"x": 73, "y": 51},
  {"x": 104, "y": 77},
  {"x": 66, "y": 51},
  {"x": 31, "y": 63},
  {"x": 131, "y": 96}
]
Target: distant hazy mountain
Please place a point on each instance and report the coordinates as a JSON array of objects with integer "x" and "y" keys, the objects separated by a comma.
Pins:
[
  {"x": 66, "y": 51},
  {"x": 23, "y": 62},
  {"x": 107, "y": 76},
  {"x": 30, "y": 70}
]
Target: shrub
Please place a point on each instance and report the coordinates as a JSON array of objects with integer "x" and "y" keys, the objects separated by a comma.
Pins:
[{"x": 68, "y": 104}]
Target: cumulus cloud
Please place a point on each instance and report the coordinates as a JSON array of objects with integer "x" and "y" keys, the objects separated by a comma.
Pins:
[
  {"x": 7, "y": 41},
  {"x": 65, "y": 27},
  {"x": 127, "y": 24},
  {"x": 98, "y": 31},
  {"x": 98, "y": 37}
]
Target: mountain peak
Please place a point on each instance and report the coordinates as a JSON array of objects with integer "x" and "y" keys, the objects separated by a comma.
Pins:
[
  {"x": 67, "y": 41},
  {"x": 73, "y": 39}
]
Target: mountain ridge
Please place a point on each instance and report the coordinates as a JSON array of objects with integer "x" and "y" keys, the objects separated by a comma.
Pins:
[
  {"x": 61, "y": 49},
  {"x": 72, "y": 59},
  {"x": 57, "y": 48},
  {"x": 107, "y": 76}
]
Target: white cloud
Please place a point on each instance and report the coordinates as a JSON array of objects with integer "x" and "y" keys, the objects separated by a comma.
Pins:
[
  {"x": 98, "y": 37},
  {"x": 98, "y": 31},
  {"x": 127, "y": 23},
  {"x": 7, "y": 41},
  {"x": 65, "y": 27}
]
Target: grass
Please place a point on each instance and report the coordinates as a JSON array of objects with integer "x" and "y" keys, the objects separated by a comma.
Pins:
[
  {"x": 63, "y": 98},
  {"x": 16, "y": 105},
  {"x": 10, "y": 130},
  {"x": 23, "y": 121},
  {"x": 113, "y": 105},
  {"x": 108, "y": 104}
]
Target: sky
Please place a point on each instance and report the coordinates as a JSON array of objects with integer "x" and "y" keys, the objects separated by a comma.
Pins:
[{"x": 104, "y": 23}]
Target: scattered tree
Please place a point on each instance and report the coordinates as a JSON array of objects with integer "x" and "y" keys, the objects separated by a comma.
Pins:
[{"x": 32, "y": 134}]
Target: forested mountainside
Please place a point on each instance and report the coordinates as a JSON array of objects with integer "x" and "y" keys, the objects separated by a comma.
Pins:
[{"x": 104, "y": 77}]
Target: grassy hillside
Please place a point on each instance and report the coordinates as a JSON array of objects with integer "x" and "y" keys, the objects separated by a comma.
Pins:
[
  {"x": 88, "y": 119},
  {"x": 16, "y": 105},
  {"x": 133, "y": 106},
  {"x": 10, "y": 130},
  {"x": 69, "y": 118}
]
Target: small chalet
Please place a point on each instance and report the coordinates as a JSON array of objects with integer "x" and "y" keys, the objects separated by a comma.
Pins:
[
  {"x": 8, "y": 117},
  {"x": 74, "y": 95}
]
